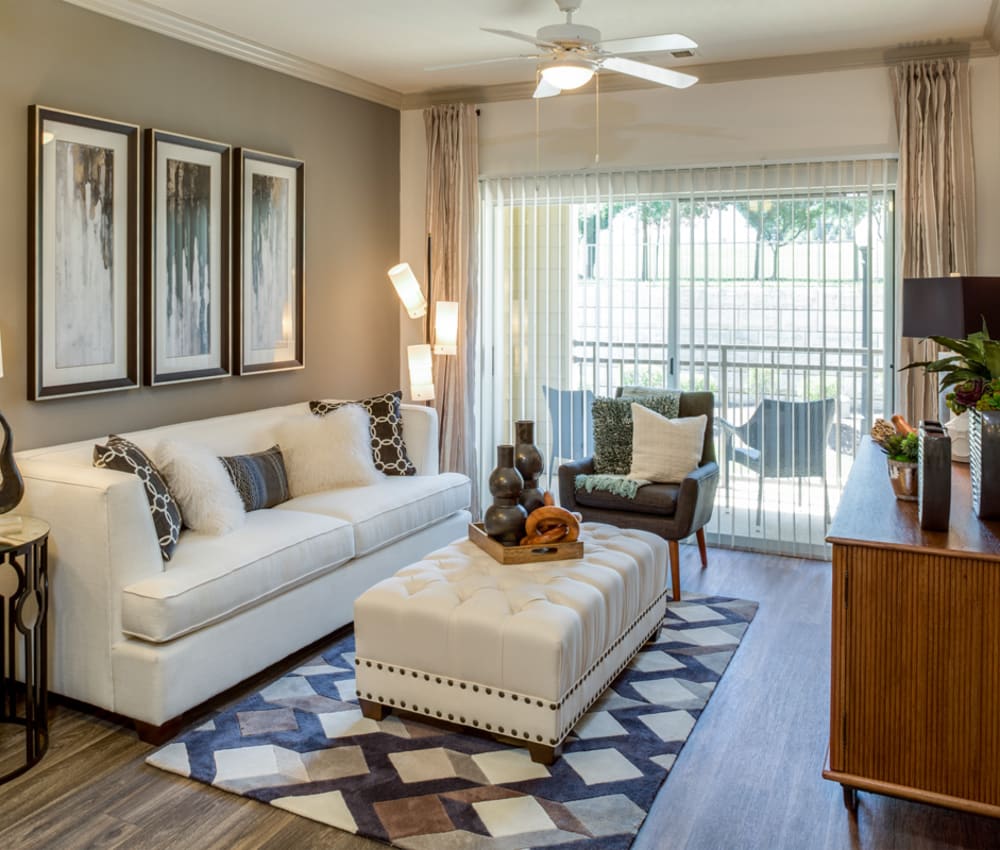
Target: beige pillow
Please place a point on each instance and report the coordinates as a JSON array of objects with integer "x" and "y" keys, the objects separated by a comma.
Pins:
[
  {"x": 326, "y": 452},
  {"x": 665, "y": 450}
]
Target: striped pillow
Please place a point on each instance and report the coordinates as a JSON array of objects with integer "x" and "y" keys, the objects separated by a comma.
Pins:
[{"x": 260, "y": 478}]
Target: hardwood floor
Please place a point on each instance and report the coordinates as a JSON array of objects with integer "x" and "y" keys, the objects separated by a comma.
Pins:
[{"x": 748, "y": 778}]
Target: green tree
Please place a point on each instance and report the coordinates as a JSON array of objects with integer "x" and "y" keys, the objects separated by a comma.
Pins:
[
  {"x": 780, "y": 222},
  {"x": 654, "y": 218}
]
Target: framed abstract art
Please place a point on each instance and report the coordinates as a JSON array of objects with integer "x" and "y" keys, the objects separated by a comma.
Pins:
[
  {"x": 268, "y": 269},
  {"x": 83, "y": 254},
  {"x": 187, "y": 240}
]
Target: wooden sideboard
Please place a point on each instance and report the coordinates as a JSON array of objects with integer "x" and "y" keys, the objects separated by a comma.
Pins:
[{"x": 915, "y": 687}]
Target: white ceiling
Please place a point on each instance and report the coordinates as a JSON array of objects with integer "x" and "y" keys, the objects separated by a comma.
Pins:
[{"x": 391, "y": 42}]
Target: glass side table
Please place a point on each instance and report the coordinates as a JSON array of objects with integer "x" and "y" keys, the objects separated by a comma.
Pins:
[{"x": 24, "y": 604}]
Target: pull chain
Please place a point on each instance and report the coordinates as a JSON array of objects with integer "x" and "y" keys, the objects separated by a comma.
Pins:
[
  {"x": 597, "y": 121},
  {"x": 538, "y": 125}
]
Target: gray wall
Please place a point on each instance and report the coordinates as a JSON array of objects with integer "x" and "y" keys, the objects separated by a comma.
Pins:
[{"x": 64, "y": 57}]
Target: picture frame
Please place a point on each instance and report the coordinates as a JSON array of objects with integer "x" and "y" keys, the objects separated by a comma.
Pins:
[
  {"x": 186, "y": 239},
  {"x": 268, "y": 263},
  {"x": 83, "y": 254}
]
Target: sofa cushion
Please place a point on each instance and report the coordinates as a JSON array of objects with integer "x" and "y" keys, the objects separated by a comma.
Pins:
[
  {"x": 394, "y": 508},
  {"x": 124, "y": 456},
  {"x": 260, "y": 478},
  {"x": 385, "y": 428},
  {"x": 660, "y": 499},
  {"x": 212, "y": 578}
]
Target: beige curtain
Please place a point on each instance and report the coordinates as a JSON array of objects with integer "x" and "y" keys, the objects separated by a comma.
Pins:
[
  {"x": 453, "y": 226},
  {"x": 937, "y": 196}
]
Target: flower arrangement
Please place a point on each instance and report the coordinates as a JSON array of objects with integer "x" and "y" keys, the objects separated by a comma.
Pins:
[
  {"x": 899, "y": 442},
  {"x": 972, "y": 369}
]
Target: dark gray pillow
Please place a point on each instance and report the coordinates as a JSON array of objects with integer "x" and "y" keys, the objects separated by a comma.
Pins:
[
  {"x": 125, "y": 456},
  {"x": 386, "y": 425},
  {"x": 259, "y": 478},
  {"x": 612, "y": 418}
]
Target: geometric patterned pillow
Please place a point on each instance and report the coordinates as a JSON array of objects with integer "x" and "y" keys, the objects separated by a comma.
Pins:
[
  {"x": 260, "y": 478},
  {"x": 612, "y": 420},
  {"x": 124, "y": 456},
  {"x": 388, "y": 448}
]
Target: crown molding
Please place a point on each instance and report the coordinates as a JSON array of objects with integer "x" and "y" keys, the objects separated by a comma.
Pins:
[
  {"x": 148, "y": 16},
  {"x": 991, "y": 32},
  {"x": 725, "y": 72}
]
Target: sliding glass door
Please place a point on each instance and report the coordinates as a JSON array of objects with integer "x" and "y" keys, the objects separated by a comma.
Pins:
[{"x": 770, "y": 286}]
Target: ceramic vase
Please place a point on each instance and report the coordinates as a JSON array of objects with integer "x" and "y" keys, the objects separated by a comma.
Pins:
[
  {"x": 529, "y": 462},
  {"x": 11, "y": 484},
  {"x": 504, "y": 519},
  {"x": 984, "y": 462}
]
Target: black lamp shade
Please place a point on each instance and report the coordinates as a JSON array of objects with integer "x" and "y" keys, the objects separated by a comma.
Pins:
[{"x": 950, "y": 306}]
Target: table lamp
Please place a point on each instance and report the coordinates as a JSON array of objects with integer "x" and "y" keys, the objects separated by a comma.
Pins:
[
  {"x": 954, "y": 306},
  {"x": 11, "y": 485}
]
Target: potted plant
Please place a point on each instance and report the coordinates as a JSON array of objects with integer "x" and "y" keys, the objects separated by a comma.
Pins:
[
  {"x": 972, "y": 371},
  {"x": 901, "y": 451}
]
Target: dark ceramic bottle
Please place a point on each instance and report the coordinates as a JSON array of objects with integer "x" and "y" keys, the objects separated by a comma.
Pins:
[
  {"x": 529, "y": 463},
  {"x": 504, "y": 519},
  {"x": 11, "y": 484}
]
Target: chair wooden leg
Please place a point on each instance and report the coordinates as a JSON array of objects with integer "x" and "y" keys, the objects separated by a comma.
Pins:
[
  {"x": 700, "y": 535},
  {"x": 675, "y": 568}
]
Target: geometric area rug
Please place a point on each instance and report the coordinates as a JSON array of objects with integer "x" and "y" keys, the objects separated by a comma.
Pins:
[{"x": 301, "y": 744}]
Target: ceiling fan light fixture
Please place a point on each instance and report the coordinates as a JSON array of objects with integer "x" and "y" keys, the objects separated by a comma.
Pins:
[{"x": 569, "y": 73}]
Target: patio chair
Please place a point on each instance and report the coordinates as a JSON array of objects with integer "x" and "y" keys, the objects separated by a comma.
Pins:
[
  {"x": 571, "y": 431},
  {"x": 673, "y": 511},
  {"x": 782, "y": 439}
]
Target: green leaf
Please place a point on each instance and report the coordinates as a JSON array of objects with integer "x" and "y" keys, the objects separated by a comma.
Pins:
[
  {"x": 991, "y": 357},
  {"x": 971, "y": 349}
]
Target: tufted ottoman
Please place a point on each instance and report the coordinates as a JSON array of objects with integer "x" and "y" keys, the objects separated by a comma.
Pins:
[{"x": 518, "y": 651}]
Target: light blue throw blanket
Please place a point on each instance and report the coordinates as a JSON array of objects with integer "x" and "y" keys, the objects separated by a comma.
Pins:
[{"x": 618, "y": 485}]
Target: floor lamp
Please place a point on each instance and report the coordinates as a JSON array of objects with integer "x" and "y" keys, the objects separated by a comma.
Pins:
[{"x": 420, "y": 357}]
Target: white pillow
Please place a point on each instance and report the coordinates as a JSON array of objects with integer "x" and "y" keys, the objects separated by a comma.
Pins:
[
  {"x": 199, "y": 482},
  {"x": 325, "y": 452},
  {"x": 665, "y": 450}
]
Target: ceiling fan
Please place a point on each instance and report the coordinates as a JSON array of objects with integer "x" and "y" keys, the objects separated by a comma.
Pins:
[{"x": 574, "y": 53}]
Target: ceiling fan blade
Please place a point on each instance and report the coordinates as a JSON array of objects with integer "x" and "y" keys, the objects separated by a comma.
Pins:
[
  {"x": 520, "y": 36},
  {"x": 546, "y": 89},
  {"x": 653, "y": 73},
  {"x": 648, "y": 44},
  {"x": 482, "y": 62}
]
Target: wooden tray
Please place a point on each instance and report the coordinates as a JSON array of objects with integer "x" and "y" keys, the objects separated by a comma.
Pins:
[{"x": 523, "y": 554}]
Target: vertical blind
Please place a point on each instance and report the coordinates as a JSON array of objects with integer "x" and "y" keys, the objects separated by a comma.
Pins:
[{"x": 770, "y": 285}]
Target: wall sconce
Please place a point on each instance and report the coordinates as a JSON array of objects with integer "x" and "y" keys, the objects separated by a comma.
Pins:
[
  {"x": 446, "y": 327},
  {"x": 421, "y": 372},
  {"x": 408, "y": 290}
]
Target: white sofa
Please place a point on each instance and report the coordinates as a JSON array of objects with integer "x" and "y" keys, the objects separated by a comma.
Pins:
[{"x": 149, "y": 640}]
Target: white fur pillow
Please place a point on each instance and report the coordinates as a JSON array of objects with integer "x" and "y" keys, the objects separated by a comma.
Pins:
[
  {"x": 326, "y": 452},
  {"x": 665, "y": 450},
  {"x": 208, "y": 500}
]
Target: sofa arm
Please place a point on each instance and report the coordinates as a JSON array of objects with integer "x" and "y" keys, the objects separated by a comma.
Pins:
[
  {"x": 567, "y": 480},
  {"x": 420, "y": 433},
  {"x": 102, "y": 538},
  {"x": 697, "y": 498}
]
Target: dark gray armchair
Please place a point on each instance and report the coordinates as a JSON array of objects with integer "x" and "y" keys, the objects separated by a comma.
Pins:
[{"x": 673, "y": 511}]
